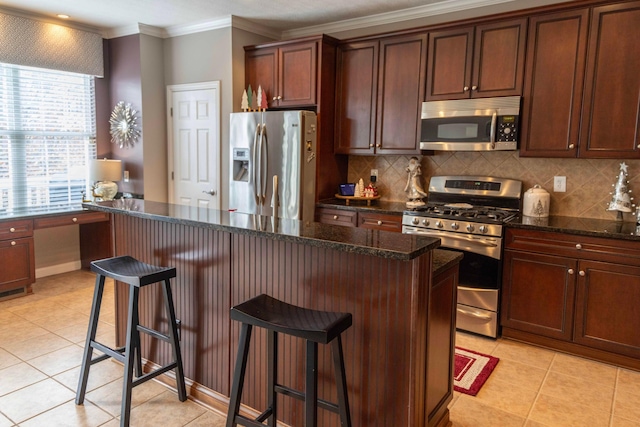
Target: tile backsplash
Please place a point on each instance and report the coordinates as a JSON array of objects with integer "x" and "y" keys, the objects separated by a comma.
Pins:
[{"x": 589, "y": 181}]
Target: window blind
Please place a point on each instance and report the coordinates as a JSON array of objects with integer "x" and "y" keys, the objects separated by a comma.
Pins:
[{"x": 47, "y": 137}]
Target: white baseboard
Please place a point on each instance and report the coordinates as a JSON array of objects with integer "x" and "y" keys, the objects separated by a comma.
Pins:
[{"x": 57, "y": 269}]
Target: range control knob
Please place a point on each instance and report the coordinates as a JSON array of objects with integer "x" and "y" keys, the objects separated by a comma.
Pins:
[
  {"x": 439, "y": 224},
  {"x": 483, "y": 229},
  {"x": 470, "y": 228},
  {"x": 455, "y": 226},
  {"x": 425, "y": 222},
  {"x": 415, "y": 221}
]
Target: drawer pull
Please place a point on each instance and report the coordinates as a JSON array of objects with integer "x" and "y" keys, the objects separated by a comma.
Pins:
[
  {"x": 570, "y": 271},
  {"x": 582, "y": 273},
  {"x": 335, "y": 217},
  {"x": 379, "y": 222},
  {"x": 12, "y": 230},
  {"x": 13, "y": 243},
  {"x": 578, "y": 246},
  {"x": 74, "y": 219}
]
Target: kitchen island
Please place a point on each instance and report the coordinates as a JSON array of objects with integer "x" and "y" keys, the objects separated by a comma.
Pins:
[{"x": 398, "y": 353}]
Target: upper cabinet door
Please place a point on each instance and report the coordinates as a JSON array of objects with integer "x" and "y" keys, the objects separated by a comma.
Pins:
[
  {"x": 356, "y": 92},
  {"x": 554, "y": 79},
  {"x": 449, "y": 64},
  {"x": 298, "y": 71},
  {"x": 261, "y": 69},
  {"x": 498, "y": 64},
  {"x": 400, "y": 94},
  {"x": 482, "y": 61},
  {"x": 611, "y": 107}
]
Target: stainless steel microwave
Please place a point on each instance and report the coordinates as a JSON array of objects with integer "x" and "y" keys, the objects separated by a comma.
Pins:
[{"x": 481, "y": 124}]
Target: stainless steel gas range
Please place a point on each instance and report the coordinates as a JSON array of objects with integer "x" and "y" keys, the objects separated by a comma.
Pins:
[{"x": 467, "y": 213}]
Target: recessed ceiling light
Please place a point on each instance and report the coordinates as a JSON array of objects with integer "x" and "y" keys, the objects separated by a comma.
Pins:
[{"x": 63, "y": 16}]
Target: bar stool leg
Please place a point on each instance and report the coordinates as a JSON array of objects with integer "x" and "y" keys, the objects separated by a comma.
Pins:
[
  {"x": 272, "y": 376},
  {"x": 238, "y": 376},
  {"x": 175, "y": 343},
  {"x": 129, "y": 357},
  {"x": 91, "y": 336},
  {"x": 137, "y": 345},
  {"x": 311, "y": 385},
  {"x": 341, "y": 382}
]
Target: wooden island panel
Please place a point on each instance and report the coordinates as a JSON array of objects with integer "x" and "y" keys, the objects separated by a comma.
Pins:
[{"x": 385, "y": 349}]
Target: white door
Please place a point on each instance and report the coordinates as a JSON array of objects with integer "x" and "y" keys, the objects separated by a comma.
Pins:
[{"x": 194, "y": 144}]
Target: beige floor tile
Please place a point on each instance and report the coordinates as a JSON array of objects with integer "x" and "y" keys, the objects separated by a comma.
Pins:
[
  {"x": 7, "y": 317},
  {"x": 20, "y": 332},
  {"x": 475, "y": 343},
  {"x": 556, "y": 412},
  {"x": 519, "y": 374},
  {"x": 75, "y": 333},
  {"x": 5, "y": 422},
  {"x": 208, "y": 419},
  {"x": 468, "y": 412},
  {"x": 531, "y": 423},
  {"x": 62, "y": 320},
  {"x": 578, "y": 390},
  {"x": 621, "y": 422},
  {"x": 518, "y": 400},
  {"x": 70, "y": 415},
  {"x": 628, "y": 382},
  {"x": 165, "y": 410},
  {"x": 18, "y": 376},
  {"x": 627, "y": 405},
  {"x": 578, "y": 367},
  {"x": 113, "y": 423},
  {"x": 7, "y": 359},
  {"x": 100, "y": 374},
  {"x": 109, "y": 396},
  {"x": 523, "y": 353},
  {"x": 58, "y": 361},
  {"x": 36, "y": 347},
  {"x": 34, "y": 400}
]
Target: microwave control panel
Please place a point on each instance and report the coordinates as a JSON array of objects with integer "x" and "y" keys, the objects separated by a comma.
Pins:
[{"x": 507, "y": 129}]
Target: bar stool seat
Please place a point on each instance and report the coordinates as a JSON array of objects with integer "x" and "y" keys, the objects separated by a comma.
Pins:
[
  {"x": 316, "y": 327},
  {"x": 136, "y": 274}
]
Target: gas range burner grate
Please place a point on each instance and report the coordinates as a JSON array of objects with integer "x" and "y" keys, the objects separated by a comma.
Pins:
[{"x": 478, "y": 213}]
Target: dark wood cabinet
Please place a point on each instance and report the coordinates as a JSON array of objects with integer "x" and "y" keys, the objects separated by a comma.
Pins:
[
  {"x": 611, "y": 106},
  {"x": 362, "y": 219},
  {"x": 18, "y": 263},
  {"x": 554, "y": 77},
  {"x": 573, "y": 293},
  {"x": 481, "y": 61},
  {"x": 288, "y": 73},
  {"x": 380, "y": 85},
  {"x": 337, "y": 217}
]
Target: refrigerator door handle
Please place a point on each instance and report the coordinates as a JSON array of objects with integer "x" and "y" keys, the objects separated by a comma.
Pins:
[
  {"x": 255, "y": 170},
  {"x": 275, "y": 200},
  {"x": 264, "y": 164}
]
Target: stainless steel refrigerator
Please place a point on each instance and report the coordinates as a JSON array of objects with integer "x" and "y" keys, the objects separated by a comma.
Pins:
[{"x": 273, "y": 164}]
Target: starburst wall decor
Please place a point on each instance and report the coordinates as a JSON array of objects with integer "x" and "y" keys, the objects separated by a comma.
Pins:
[{"x": 124, "y": 125}]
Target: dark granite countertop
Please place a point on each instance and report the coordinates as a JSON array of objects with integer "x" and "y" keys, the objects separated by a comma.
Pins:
[
  {"x": 390, "y": 208},
  {"x": 39, "y": 211},
  {"x": 443, "y": 259},
  {"x": 383, "y": 244},
  {"x": 580, "y": 226}
]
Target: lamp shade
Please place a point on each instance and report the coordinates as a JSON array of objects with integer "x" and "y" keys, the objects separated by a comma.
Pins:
[{"x": 105, "y": 170}]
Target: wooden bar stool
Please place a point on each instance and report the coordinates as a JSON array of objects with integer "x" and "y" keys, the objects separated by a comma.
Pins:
[
  {"x": 315, "y": 327},
  {"x": 137, "y": 274}
]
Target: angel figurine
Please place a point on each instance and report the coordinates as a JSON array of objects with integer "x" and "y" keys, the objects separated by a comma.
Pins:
[{"x": 414, "y": 186}]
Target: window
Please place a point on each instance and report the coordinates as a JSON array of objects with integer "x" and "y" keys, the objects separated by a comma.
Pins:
[{"x": 47, "y": 137}]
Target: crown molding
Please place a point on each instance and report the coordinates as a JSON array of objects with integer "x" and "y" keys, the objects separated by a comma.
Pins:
[
  {"x": 51, "y": 20},
  {"x": 255, "y": 28}
]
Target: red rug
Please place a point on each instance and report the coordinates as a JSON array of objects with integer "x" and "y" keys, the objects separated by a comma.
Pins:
[{"x": 471, "y": 370}]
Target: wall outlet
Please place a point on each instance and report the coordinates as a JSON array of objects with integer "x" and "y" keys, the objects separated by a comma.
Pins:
[
  {"x": 560, "y": 184},
  {"x": 374, "y": 172},
  {"x": 126, "y": 176}
]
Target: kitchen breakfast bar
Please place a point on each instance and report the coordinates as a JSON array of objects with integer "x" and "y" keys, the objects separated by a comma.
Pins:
[{"x": 400, "y": 290}]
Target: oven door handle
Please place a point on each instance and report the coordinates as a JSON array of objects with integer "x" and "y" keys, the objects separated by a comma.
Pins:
[{"x": 474, "y": 314}]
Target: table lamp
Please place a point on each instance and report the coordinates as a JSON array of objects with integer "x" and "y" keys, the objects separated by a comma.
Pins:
[{"x": 103, "y": 172}]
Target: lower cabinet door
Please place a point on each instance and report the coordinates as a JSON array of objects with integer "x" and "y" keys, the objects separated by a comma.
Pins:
[
  {"x": 608, "y": 307},
  {"x": 18, "y": 264},
  {"x": 538, "y": 292}
]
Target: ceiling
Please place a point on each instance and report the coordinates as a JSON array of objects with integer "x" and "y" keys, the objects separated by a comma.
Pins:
[{"x": 280, "y": 16}]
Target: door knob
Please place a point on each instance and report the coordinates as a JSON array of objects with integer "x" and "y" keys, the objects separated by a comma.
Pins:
[{"x": 210, "y": 192}]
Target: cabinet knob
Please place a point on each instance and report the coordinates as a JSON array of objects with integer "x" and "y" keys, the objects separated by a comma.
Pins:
[
  {"x": 335, "y": 217},
  {"x": 570, "y": 271},
  {"x": 13, "y": 243},
  {"x": 578, "y": 246},
  {"x": 378, "y": 145},
  {"x": 12, "y": 230},
  {"x": 74, "y": 219},
  {"x": 379, "y": 222},
  {"x": 571, "y": 146},
  {"x": 474, "y": 87},
  {"x": 274, "y": 99},
  {"x": 466, "y": 88},
  {"x": 370, "y": 145},
  {"x": 279, "y": 97},
  {"x": 582, "y": 273}
]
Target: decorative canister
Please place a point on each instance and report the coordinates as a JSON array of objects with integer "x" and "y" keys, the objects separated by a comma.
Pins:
[{"x": 536, "y": 202}]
